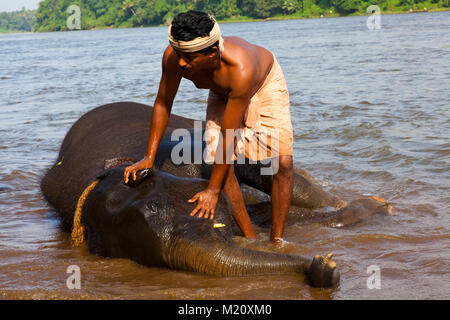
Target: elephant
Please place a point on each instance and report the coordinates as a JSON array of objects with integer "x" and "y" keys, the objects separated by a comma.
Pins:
[{"x": 149, "y": 222}]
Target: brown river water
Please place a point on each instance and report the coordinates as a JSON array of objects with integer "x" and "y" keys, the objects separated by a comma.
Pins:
[{"x": 371, "y": 116}]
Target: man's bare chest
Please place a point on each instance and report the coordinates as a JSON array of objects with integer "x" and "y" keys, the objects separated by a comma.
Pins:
[{"x": 204, "y": 82}]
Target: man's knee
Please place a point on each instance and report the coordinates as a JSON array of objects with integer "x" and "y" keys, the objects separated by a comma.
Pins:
[
  {"x": 286, "y": 162},
  {"x": 285, "y": 165}
]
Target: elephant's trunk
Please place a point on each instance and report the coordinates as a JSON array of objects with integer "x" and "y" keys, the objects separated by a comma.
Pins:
[{"x": 225, "y": 259}]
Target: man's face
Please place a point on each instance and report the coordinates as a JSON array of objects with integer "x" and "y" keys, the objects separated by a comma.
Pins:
[{"x": 193, "y": 61}]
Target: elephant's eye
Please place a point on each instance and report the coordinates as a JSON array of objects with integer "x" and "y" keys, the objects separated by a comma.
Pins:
[{"x": 153, "y": 206}]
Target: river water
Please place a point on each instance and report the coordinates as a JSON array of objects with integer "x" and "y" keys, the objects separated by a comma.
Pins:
[{"x": 370, "y": 110}]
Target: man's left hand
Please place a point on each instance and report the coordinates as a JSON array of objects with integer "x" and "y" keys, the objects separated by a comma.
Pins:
[{"x": 207, "y": 201}]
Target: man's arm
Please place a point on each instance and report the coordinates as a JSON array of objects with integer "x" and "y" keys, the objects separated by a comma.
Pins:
[
  {"x": 168, "y": 87},
  {"x": 238, "y": 101}
]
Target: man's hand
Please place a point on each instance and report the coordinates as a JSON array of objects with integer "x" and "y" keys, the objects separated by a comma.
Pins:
[
  {"x": 134, "y": 168},
  {"x": 207, "y": 201}
]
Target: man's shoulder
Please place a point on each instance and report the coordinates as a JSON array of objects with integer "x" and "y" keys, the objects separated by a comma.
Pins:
[
  {"x": 168, "y": 53},
  {"x": 240, "y": 50},
  {"x": 169, "y": 60},
  {"x": 242, "y": 54},
  {"x": 240, "y": 43}
]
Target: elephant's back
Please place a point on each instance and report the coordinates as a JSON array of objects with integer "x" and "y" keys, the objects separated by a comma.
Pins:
[
  {"x": 120, "y": 119},
  {"x": 117, "y": 130}
]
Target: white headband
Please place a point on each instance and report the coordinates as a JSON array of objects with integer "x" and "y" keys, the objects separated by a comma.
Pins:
[{"x": 198, "y": 43}]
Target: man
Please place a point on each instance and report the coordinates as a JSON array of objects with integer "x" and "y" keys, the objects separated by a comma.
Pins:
[{"x": 247, "y": 91}]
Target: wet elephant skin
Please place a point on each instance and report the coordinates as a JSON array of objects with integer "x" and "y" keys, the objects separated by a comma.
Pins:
[{"x": 149, "y": 223}]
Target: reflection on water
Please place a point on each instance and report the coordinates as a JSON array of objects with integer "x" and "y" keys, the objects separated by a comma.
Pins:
[{"x": 370, "y": 114}]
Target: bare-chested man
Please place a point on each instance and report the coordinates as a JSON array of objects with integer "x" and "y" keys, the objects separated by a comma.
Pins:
[{"x": 247, "y": 91}]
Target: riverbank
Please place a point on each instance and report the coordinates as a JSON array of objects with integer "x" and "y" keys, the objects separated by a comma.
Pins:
[
  {"x": 327, "y": 15},
  {"x": 300, "y": 17},
  {"x": 3, "y": 31},
  {"x": 296, "y": 16}
]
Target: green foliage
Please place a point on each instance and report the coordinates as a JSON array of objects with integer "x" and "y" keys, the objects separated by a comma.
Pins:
[
  {"x": 52, "y": 15},
  {"x": 346, "y": 6},
  {"x": 290, "y": 6},
  {"x": 18, "y": 20}
]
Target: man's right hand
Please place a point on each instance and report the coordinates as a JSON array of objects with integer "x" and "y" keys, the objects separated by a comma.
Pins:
[{"x": 131, "y": 171}]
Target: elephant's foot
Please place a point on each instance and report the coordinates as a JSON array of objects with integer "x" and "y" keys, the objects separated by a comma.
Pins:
[
  {"x": 357, "y": 211},
  {"x": 323, "y": 272},
  {"x": 385, "y": 204}
]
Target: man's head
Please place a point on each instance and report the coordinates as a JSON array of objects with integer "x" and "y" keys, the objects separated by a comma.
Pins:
[
  {"x": 193, "y": 35},
  {"x": 189, "y": 25}
]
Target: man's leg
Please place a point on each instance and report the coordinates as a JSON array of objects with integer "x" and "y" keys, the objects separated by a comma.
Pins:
[
  {"x": 281, "y": 197},
  {"x": 234, "y": 194}
]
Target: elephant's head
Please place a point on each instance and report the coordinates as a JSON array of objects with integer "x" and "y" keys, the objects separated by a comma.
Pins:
[{"x": 150, "y": 223}]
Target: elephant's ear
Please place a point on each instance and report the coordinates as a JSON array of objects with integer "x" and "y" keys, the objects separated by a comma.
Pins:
[
  {"x": 104, "y": 174},
  {"x": 111, "y": 164},
  {"x": 116, "y": 162}
]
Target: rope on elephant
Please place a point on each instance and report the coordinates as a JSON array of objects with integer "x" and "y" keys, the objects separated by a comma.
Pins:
[{"x": 78, "y": 228}]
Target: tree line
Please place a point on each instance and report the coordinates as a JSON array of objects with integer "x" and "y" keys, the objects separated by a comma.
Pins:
[
  {"x": 22, "y": 20},
  {"x": 52, "y": 14}
]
